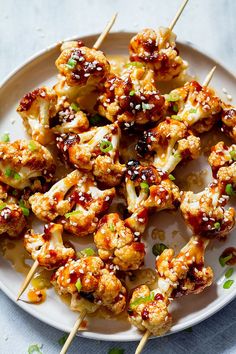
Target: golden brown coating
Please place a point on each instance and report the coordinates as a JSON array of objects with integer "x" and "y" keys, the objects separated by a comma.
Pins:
[
  {"x": 47, "y": 248},
  {"x": 96, "y": 150},
  {"x": 221, "y": 156},
  {"x": 117, "y": 244},
  {"x": 36, "y": 109},
  {"x": 169, "y": 143},
  {"x": 131, "y": 99},
  {"x": 195, "y": 105},
  {"x": 77, "y": 200},
  {"x": 23, "y": 161},
  {"x": 88, "y": 278},
  {"x": 205, "y": 214},
  {"x": 12, "y": 219},
  {"x": 228, "y": 121},
  {"x": 157, "y": 50}
]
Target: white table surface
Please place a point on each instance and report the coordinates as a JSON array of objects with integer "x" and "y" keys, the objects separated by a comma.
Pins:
[{"x": 29, "y": 26}]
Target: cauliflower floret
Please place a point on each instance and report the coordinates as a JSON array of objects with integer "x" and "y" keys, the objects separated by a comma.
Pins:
[
  {"x": 168, "y": 144},
  {"x": 149, "y": 188},
  {"x": 221, "y": 156},
  {"x": 82, "y": 66},
  {"x": 36, "y": 108},
  {"x": 96, "y": 150},
  {"x": 87, "y": 278},
  {"x": 204, "y": 212},
  {"x": 228, "y": 121},
  {"x": 131, "y": 99},
  {"x": 137, "y": 221},
  {"x": 47, "y": 248},
  {"x": 117, "y": 243},
  {"x": 12, "y": 219},
  {"x": 157, "y": 50},
  {"x": 23, "y": 161},
  {"x": 196, "y": 105}
]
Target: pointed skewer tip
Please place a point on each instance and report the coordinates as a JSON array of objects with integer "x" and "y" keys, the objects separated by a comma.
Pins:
[
  {"x": 142, "y": 342},
  {"x": 28, "y": 279},
  {"x": 209, "y": 77},
  {"x": 105, "y": 32},
  {"x": 179, "y": 12}
]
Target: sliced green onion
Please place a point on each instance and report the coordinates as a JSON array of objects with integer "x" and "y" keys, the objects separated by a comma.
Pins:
[
  {"x": 147, "y": 106},
  {"x": 177, "y": 155},
  {"x": 32, "y": 145},
  {"x": 16, "y": 176},
  {"x": 5, "y": 138},
  {"x": 171, "y": 177},
  {"x": 217, "y": 225},
  {"x": 229, "y": 272},
  {"x": 233, "y": 154},
  {"x": 72, "y": 213},
  {"x": 137, "y": 64},
  {"x": 96, "y": 119},
  {"x": 132, "y": 93},
  {"x": 71, "y": 64},
  {"x": 144, "y": 186},
  {"x": 62, "y": 340},
  {"x": 105, "y": 145},
  {"x": 3, "y": 205},
  {"x": 8, "y": 172},
  {"x": 78, "y": 285},
  {"x": 228, "y": 284},
  {"x": 142, "y": 300},
  {"x": 35, "y": 349},
  {"x": 158, "y": 248},
  {"x": 176, "y": 117},
  {"x": 175, "y": 108},
  {"x": 223, "y": 260},
  {"x": 172, "y": 97},
  {"x": 229, "y": 189},
  {"x": 112, "y": 227},
  {"x": 116, "y": 351},
  {"x": 25, "y": 210},
  {"x": 75, "y": 107},
  {"x": 193, "y": 110},
  {"x": 87, "y": 252}
]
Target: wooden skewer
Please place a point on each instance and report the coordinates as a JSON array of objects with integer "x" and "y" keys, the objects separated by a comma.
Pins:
[
  {"x": 142, "y": 342},
  {"x": 28, "y": 279},
  {"x": 105, "y": 32},
  {"x": 96, "y": 46},
  {"x": 209, "y": 77},
  {"x": 179, "y": 12},
  {"x": 73, "y": 332}
]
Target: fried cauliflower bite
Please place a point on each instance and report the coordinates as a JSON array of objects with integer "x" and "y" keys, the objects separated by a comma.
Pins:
[
  {"x": 68, "y": 118},
  {"x": 96, "y": 150},
  {"x": 168, "y": 144},
  {"x": 205, "y": 214},
  {"x": 149, "y": 188},
  {"x": 228, "y": 121},
  {"x": 137, "y": 221},
  {"x": 12, "y": 219},
  {"x": 131, "y": 99},
  {"x": 195, "y": 105},
  {"x": 82, "y": 66},
  {"x": 157, "y": 50},
  {"x": 89, "y": 279},
  {"x": 47, "y": 248},
  {"x": 23, "y": 161},
  {"x": 221, "y": 156},
  {"x": 118, "y": 244},
  {"x": 36, "y": 108}
]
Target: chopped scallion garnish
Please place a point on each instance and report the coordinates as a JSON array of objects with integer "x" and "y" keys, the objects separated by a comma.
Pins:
[
  {"x": 228, "y": 284},
  {"x": 172, "y": 97},
  {"x": 3, "y": 205},
  {"x": 229, "y": 189},
  {"x": 175, "y": 108},
  {"x": 223, "y": 260},
  {"x": 35, "y": 349},
  {"x": 5, "y": 138},
  {"x": 132, "y": 93},
  {"x": 96, "y": 119},
  {"x": 176, "y": 117},
  {"x": 193, "y": 110},
  {"x": 142, "y": 300},
  {"x": 87, "y": 252},
  {"x": 25, "y": 210},
  {"x": 233, "y": 154},
  {"x": 71, "y": 64},
  {"x": 137, "y": 64},
  {"x": 75, "y": 107},
  {"x": 62, "y": 340},
  {"x": 17, "y": 176},
  {"x": 72, "y": 213},
  {"x": 106, "y": 146},
  {"x": 217, "y": 225},
  {"x": 144, "y": 186},
  {"x": 171, "y": 177},
  {"x": 78, "y": 285},
  {"x": 32, "y": 145},
  {"x": 112, "y": 227},
  {"x": 8, "y": 172},
  {"x": 158, "y": 248},
  {"x": 229, "y": 272}
]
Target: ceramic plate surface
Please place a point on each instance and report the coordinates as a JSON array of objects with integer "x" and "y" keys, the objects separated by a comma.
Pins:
[{"x": 40, "y": 70}]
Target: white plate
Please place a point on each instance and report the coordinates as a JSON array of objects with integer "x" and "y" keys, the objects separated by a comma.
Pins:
[{"x": 187, "y": 311}]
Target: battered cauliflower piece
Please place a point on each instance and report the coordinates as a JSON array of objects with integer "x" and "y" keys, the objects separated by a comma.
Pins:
[
  {"x": 221, "y": 156},
  {"x": 228, "y": 121},
  {"x": 131, "y": 99},
  {"x": 96, "y": 150},
  {"x": 168, "y": 144},
  {"x": 36, "y": 109},
  {"x": 23, "y": 161},
  {"x": 75, "y": 201},
  {"x": 205, "y": 214},
  {"x": 47, "y": 248},
  {"x": 89, "y": 279},
  {"x": 137, "y": 221},
  {"x": 157, "y": 50},
  {"x": 117, "y": 243},
  {"x": 149, "y": 188},
  {"x": 195, "y": 105},
  {"x": 81, "y": 66},
  {"x": 12, "y": 219}
]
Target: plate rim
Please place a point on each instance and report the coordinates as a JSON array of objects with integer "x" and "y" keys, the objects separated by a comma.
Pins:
[{"x": 91, "y": 335}]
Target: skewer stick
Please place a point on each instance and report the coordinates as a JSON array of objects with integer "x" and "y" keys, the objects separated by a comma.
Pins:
[
  {"x": 28, "y": 279},
  {"x": 209, "y": 77},
  {"x": 179, "y": 12},
  {"x": 105, "y": 32},
  {"x": 73, "y": 332},
  {"x": 143, "y": 342}
]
